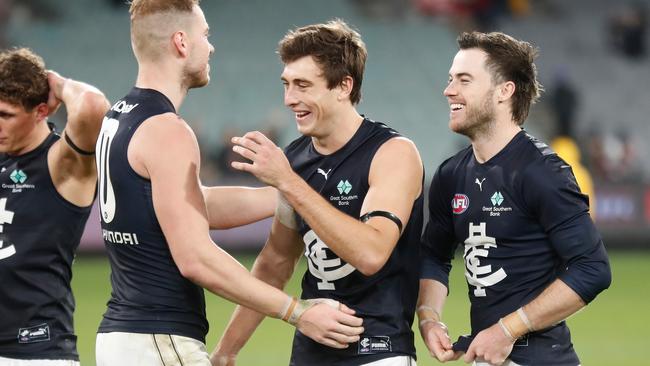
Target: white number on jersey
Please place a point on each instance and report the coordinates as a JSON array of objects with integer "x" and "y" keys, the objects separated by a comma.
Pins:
[
  {"x": 321, "y": 267},
  {"x": 103, "y": 148},
  {"x": 6, "y": 217}
]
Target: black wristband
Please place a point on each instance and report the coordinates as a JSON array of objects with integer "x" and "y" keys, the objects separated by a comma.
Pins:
[
  {"x": 385, "y": 214},
  {"x": 75, "y": 147}
]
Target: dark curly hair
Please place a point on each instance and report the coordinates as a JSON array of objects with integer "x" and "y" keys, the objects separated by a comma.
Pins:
[{"x": 23, "y": 78}]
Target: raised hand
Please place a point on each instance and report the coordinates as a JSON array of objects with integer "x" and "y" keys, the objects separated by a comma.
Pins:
[{"x": 268, "y": 162}]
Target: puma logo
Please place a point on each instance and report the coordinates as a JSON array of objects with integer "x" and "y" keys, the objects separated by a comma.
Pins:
[
  {"x": 324, "y": 173},
  {"x": 480, "y": 184}
]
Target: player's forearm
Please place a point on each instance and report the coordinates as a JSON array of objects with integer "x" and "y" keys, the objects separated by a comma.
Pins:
[
  {"x": 241, "y": 327},
  {"x": 85, "y": 106},
  {"x": 270, "y": 269},
  {"x": 556, "y": 303},
  {"x": 212, "y": 268},
  {"x": 431, "y": 299},
  {"x": 230, "y": 207},
  {"x": 359, "y": 244}
]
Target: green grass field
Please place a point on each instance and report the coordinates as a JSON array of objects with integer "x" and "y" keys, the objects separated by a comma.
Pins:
[{"x": 610, "y": 331}]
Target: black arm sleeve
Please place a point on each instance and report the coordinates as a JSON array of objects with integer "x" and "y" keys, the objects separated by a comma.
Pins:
[
  {"x": 438, "y": 243},
  {"x": 554, "y": 197}
]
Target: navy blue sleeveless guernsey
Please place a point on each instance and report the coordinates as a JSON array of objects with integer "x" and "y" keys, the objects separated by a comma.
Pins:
[
  {"x": 149, "y": 294},
  {"x": 39, "y": 233},
  {"x": 386, "y": 300}
]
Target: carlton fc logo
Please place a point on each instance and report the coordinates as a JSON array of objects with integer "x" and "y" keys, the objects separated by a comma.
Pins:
[{"x": 459, "y": 203}]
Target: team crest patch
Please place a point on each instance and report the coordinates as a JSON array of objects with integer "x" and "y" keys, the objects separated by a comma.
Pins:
[
  {"x": 378, "y": 344},
  {"x": 459, "y": 203},
  {"x": 37, "y": 333}
]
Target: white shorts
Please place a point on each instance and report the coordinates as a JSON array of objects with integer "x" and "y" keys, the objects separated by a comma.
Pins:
[
  {"x": 16, "y": 362},
  {"x": 393, "y": 361},
  {"x": 136, "y": 349}
]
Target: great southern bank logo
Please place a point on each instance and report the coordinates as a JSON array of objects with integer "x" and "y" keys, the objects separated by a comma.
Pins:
[
  {"x": 459, "y": 203},
  {"x": 18, "y": 176},
  {"x": 497, "y": 199},
  {"x": 344, "y": 198},
  {"x": 344, "y": 187}
]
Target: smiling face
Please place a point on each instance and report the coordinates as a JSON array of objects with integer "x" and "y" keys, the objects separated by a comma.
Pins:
[
  {"x": 470, "y": 93},
  {"x": 307, "y": 95}
]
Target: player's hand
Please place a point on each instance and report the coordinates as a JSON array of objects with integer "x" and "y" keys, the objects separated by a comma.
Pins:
[
  {"x": 330, "y": 323},
  {"x": 268, "y": 162},
  {"x": 55, "y": 82},
  {"x": 222, "y": 360},
  {"x": 436, "y": 338},
  {"x": 491, "y": 345}
]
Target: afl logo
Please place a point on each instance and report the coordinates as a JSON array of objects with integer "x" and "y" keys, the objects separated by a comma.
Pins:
[{"x": 459, "y": 204}]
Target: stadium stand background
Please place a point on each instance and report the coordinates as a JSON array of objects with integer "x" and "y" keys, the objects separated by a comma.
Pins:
[{"x": 411, "y": 45}]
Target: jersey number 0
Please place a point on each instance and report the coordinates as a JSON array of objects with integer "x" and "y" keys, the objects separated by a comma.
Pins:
[{"x": 103, "y": 148}]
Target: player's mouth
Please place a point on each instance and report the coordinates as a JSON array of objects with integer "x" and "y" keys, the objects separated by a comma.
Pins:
[
  {"x": 302, "y": 115},
  {"x": 455, "y": 107}
]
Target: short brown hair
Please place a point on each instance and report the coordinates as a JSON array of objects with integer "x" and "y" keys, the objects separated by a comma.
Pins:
[
  {"x": 140, "y": 8},
  {"x": 509, "y": 60},
  {"x": 337, "y": 48},
  {"x": 23, "y": 78},
  {"x": 152, "y": 19}
]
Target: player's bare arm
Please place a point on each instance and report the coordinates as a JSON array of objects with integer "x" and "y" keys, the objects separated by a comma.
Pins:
[
  {"x": 395, "y": 182},
  {"x": 274, "y": 265},
  {"x": 431, "y": 301},
  {"x": 74, "y": 173},
  {"x": 180, "y": 209},
  {"x": 230, "y": 207}
]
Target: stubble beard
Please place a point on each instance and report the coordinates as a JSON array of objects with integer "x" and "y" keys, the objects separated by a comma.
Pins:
[{"x": 479, "y": 120}]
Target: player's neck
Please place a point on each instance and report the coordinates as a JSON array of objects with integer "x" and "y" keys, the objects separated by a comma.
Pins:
[
  {"x": 487, "y": 145},
  {"x": 338, "y": 131},
  {"x": 162, "y": 79}
]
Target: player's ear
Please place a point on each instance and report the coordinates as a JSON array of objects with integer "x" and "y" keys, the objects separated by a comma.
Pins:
[
  {"x": 505, "y": 91},
  {"x": 180, "y": 43},
  {"x": 345, "y": 88},
  {"x": 41, "y": 111}
]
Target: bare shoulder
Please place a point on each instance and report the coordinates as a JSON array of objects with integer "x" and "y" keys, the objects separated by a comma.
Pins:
[
  {"x": 399, "y": 149},
  {"x": 397, "y": 161},
  {"x": 162, "y": 139}
]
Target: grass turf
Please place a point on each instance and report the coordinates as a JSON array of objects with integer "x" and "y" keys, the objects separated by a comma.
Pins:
[{"x": 610, "y": 331}]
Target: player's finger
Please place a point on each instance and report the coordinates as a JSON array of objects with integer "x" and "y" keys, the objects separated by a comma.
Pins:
[
  {"x": 244, "y": 167},
  {"x": 456, "y": 355},
  {"x": 332, "y": 343},
  {"x": 246, "y": 153},
  {"x": 470, "y": 355},
  {"x": 443, "y": 337},
  {"x": 350, "y": 320},
  {"x": 341, "y": 336},
  {"x": 246, "y": 142},
  {"x": 258, "y": 137},
  {"x": 344, "y": 308}
]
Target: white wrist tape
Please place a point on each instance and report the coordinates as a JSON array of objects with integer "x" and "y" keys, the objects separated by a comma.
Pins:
[
  {"x": 506, "y": 331},
  {"x": 285, "y": 213},
  {"x": 294, "y": 308},
  {"x": 524, "y": 318}
]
